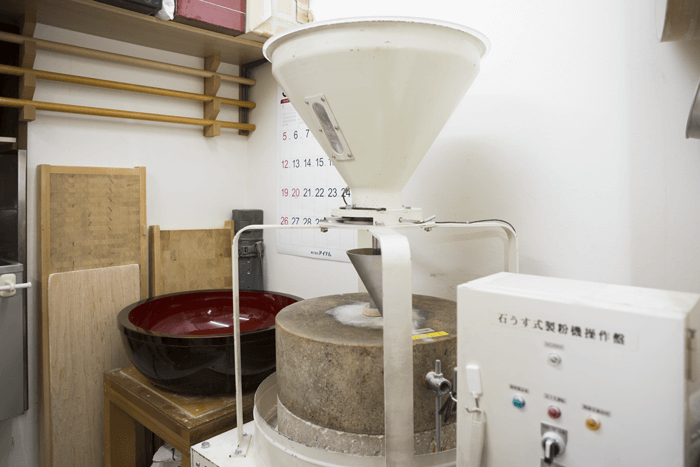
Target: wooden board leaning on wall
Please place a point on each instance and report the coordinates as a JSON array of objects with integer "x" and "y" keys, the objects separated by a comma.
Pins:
[
  {"x": 184, "y": 260},
  {"x": 90, "y": 218},
  {"x": 84, "y": 342}
]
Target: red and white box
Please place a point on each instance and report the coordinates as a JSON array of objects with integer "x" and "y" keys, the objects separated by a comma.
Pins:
[{"x": 224, "y": 16}]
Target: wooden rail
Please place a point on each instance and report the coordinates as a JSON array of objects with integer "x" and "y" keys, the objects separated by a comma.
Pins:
[
  {"x": 101, "y": 55},
  {"x": 101, "y": 83},
  {"x": 77, "y": 109}
]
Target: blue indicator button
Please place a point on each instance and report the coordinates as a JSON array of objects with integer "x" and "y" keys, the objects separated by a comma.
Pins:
[{"x": 519, "y": 401}]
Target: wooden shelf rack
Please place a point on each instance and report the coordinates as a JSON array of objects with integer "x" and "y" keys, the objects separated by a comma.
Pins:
[{"x": 98, "y": 19}]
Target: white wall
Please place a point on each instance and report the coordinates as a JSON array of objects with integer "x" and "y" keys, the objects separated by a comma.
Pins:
[
  {"x": 574, "y": 132},
  {"x": 192, "y": 181}
]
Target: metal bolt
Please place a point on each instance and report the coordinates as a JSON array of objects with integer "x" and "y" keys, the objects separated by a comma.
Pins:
[
  {"x": 337, "y": 127},
  {"x": 554, "y": 359},
  {"x": 205, "y": 444},
  {"x": 333, "y": 156},
  {"x": 323, "y": 99},
  {"x": 321, "y": 130},
  {"x": 324, "y": 229},
  {"x": 197, "y": 464},
  {"x": 237, "y": 452},
  {"x": 349, "y": 156},
  {"x": 306, "y": 102}
]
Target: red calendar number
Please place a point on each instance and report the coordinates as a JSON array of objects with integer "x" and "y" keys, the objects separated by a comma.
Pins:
[
  {"x": 285, "y": 192},
  {"x": 284, "y": 221},
  {"x": 285, "y": 164},
  {"x": 296, "y": 192},
  {"x": 284, "y": 136}
]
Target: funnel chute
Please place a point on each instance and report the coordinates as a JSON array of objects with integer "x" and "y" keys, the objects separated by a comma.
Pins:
[
  {"x": 376, "y": 92},
  {"x": 368, "y": 264}
]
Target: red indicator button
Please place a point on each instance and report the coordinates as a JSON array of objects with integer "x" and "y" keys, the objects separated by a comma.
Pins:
[{"x": 554, "y": 412}]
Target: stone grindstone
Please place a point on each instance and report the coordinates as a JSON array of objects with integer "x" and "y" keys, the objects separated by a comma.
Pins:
[
  {"x": 330, "y": 368},
  {"x": 353, "y": 443}
]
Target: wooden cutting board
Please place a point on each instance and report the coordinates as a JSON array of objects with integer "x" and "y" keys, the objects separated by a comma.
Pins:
[
  {"x": 91, "y": 217},
  {"x": 83, "y": 342},
  {"x": 184, "y": 260}
]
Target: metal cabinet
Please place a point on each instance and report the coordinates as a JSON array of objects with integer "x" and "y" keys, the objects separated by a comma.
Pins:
[
  {"x": 13, "y": 347},
  {"x": 13, "y": 309}
]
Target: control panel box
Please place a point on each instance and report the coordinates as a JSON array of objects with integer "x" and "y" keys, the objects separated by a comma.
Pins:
[{"x": 576, "y": 374}]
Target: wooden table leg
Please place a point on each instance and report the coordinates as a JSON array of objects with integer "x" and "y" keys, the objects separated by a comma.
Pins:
[
  {"x": 125, "y": 439},
  {"x": 186, "y": 462}
]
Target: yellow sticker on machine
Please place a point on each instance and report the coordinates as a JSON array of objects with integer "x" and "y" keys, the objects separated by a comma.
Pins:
[{"x": 430, "y": 334}]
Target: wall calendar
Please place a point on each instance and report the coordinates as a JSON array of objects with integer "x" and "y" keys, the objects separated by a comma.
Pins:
[{"x": 309, "y": 187}]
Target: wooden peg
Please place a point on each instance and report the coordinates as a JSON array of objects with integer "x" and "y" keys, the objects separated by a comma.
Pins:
[
  {"x": 27, "y": 113},
  {"x": 211, "y": 88},
  {"x": 29, "y": 24},
  {"x": 212, "y": 109},
  {"x": 27, "y": 53},
  {"x": 212, "y": 85},
  {"x": 212, "y": 130},
  {"x": 212, "y": 62},
  {"x": 27, "y": 86}
]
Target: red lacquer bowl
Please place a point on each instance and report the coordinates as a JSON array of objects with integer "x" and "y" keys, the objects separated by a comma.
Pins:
[{"x": 183, "y": 342}]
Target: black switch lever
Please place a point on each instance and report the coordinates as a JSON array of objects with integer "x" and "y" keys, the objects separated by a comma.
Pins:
[
  {"x": 551, "y": 450},
  {"x": 553, "y": 445}
]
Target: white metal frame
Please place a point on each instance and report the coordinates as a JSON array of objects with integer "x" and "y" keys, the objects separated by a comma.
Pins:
[{"x": 397, "y": 305}]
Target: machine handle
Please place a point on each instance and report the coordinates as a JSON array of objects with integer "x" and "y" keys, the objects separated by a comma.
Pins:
[
  {"x": 8, "y": 287},
  {"x": 553, "y": 445},
  {"x": 12, "y": 287}
]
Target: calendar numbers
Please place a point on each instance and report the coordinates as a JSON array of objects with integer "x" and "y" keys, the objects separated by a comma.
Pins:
[
  {"x": 309, "y": 188},
  {"x": 294, "y": 192}
]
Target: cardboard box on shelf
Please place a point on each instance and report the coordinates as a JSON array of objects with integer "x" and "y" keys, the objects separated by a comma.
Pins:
[{"x": 266, "y": 18}]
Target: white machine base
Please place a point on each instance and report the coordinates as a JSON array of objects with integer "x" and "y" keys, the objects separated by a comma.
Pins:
[
  {"x": 220, "y": 450},
  {"x": 269, "y": 448}
]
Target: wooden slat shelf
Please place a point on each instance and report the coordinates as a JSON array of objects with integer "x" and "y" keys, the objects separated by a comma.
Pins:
[{"x": 98, "y": 19}]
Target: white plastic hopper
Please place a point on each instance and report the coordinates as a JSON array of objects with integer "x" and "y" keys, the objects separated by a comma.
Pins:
[{"x": 376, "y": 92}]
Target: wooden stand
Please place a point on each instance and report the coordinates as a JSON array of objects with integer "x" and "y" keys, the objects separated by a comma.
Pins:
[{"x": 133, "y": 407}]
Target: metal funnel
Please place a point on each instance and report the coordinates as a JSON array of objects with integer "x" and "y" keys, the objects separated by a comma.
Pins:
[
  {"x": 376, "y": 92},
  {"x": 368, "y": 264}
]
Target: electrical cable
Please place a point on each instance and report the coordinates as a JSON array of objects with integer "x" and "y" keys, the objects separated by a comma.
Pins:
[
  {"x": 480, "y": 220},
  {"x": 342, "y": 193}
]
